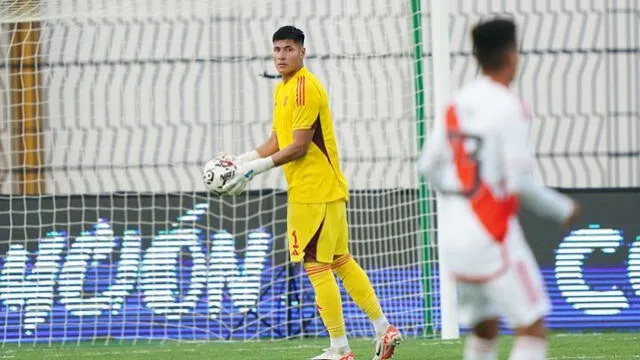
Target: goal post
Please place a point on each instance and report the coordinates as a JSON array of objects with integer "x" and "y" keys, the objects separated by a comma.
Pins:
[
  {"x": 441, "y": 89},
  {"x": 438, "y": 90},
  {"x": 419, "y": 91},
  {"x": 26, "y": 114}
]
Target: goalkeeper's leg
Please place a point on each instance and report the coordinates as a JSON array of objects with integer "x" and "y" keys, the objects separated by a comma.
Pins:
[
  {"x": 312, "y": 240},
  {"x": 328, "y": 301},
  {"x": 357, "y": 284},
  {"x": 359, "y": 288}
]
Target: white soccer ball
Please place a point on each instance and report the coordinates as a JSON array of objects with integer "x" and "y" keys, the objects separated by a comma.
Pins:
[{"x": 216, "y": 173}]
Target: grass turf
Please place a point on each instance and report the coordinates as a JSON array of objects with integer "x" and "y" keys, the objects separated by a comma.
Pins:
[{"x": 563, "y": 346}]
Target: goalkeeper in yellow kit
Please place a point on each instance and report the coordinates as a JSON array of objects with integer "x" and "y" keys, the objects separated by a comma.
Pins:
[{"x": 303, "y": 142}]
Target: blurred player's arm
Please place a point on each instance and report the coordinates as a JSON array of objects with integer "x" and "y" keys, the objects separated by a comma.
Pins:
[
  {"x": 433, "y": 157},
  {"x": 521, "y": 180}
]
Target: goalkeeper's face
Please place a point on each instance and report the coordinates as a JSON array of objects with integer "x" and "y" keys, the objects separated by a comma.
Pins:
[{"x": 288, "y": 56}]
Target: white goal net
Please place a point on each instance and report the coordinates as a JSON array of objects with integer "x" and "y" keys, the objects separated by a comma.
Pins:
[{"x": 109, "y": 109}]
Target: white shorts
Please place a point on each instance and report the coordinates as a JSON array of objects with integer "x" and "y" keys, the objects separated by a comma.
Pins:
[{"x": 517, "y": 294}]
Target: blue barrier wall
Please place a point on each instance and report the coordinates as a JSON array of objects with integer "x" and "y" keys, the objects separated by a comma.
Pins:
[{"x": 134, "y": 273}]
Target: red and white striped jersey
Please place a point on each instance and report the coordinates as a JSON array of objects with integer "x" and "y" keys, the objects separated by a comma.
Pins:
[{"x": 478, "y": 158}]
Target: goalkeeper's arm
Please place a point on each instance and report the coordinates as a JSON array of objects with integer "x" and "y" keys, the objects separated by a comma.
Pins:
[
  {"x": 301, "y": 141},
  {"x": 302, "y": 138},
  {"x": 267, "y": 148}
]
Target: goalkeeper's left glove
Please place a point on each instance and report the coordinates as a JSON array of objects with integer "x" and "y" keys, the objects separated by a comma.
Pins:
[{"x": 245, "y": 173}]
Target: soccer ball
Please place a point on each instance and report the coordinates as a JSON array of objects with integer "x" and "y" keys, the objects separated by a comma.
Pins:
[{"x": 216, "y": 173}]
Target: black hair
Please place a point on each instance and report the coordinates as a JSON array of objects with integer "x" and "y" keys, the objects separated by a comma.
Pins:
[
  {"x": 289, "y": 32},
  {"x": 492, "y": 40}
]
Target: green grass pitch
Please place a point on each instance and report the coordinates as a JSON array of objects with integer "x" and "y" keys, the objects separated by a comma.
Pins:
[{"x": 563, "y": 346}]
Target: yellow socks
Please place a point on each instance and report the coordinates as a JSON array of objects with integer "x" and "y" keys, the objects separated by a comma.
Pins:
[
  {"x": 327, "y": 298},
  {"x": 357, "y": 284}
]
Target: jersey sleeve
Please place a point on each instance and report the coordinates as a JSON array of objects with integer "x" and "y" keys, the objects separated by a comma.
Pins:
[
  {"x": 434, "y": 155},
  {"x": 307, "y": 107},
  {"x": 519, "y": 168}
]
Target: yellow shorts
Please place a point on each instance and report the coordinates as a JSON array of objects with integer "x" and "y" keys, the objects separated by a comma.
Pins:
[{"x": 317, "y": 232}]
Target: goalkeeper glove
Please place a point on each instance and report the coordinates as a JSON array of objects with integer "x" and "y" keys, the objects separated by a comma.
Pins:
[
  {"x": 239, "y": 159},
  {"x": 245, "y": 173}
]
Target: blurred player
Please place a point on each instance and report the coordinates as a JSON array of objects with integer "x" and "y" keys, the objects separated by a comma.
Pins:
[
  {"x": 304, "y": 143},
  {"x": 478, "y": 159}
]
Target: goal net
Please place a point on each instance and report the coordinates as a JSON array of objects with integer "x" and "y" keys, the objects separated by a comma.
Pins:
[{"x": 109, "y": 110}]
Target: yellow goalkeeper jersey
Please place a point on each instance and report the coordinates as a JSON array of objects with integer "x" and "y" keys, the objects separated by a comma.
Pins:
[{"x": 301, "y": 103}]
